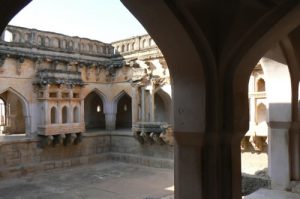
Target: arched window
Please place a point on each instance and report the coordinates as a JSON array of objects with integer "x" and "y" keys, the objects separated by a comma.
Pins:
[
  {"x": 261, "y": 113},
  {"x": 144, "y": 43},
  {"x": 123, "y": 48},
  {"x": 55, "y": 43},
  {"x": 151, "y": 42},
  {"x": 132, "y": 46},
  {"x": 53, "y": 115},
  {"x": 94, "y": 116},
  {"x": 124, "y": 112},
  {"x": 70, "y": 44},
  {"x": 2, "y": 113},
  {"x": 128, "y": 47},
  {"x": 47, "y": 41},
  {"x": 76, "y": 115},
  {"x": 8, "y": 36},
  {"x": 39, "y": 40},
  {"x": 261, "y": 85},
  {"x": 63, "y": 44},
  {"x": 64, "y": 115}
]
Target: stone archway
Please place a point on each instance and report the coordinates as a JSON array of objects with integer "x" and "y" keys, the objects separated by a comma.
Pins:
[
  {"x": 94, "y": 116},
  {"x": 17, "y": 112},
  {"x": 213, "y": 41},
  {"x": 163, "y": 106},
  {"x": 124, "y": 111}
]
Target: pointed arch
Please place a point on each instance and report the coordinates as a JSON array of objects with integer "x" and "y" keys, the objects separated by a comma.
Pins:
[
  {"x": 99, "y": 93},
  {"x": 94, "y": 109},
  {"x": 24, "y": 115},
  {"x": 163, "y": 106},
  {"x": 123, "y": 106},
  {"x": 53, "y": 115},
  {"x": 24, "y": 101}
]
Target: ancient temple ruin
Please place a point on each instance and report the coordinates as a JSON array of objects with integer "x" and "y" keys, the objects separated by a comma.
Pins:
[{"x": 84, "y": 99}]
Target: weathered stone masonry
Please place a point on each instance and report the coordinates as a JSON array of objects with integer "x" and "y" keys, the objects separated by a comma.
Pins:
[{"x": 63, "y": 84}]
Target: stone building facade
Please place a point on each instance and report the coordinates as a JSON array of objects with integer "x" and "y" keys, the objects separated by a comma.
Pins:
[{"x": 68, "y": 101}]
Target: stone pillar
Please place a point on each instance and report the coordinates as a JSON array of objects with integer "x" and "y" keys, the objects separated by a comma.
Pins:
[
  {"x": 278, "y": 90},
  {"x": 59, "y": 114},
  {"x": 110, "y": 111},
  {"x": 143, "y": 104},
  {"x": 135, "y": 104},
  {"x": 70, "y": 113},
  {"x": 110, "y": 121},
  {"x": 81, "y": 106},
  {"x": 151, "y": 104},
  {"x": 47, "y": 113}
]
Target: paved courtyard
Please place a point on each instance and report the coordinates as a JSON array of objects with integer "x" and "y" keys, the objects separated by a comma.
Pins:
[{"x": 108, "y": 180}]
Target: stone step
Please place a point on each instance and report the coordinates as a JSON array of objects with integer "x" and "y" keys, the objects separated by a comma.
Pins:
[{"x": 272, "y": 194}]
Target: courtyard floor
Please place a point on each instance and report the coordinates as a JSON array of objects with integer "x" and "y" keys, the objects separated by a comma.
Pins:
[{"x": 108, "y": 180}]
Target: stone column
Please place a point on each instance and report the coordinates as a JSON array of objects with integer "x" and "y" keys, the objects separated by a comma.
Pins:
[
  {"x": 143, "y": 104},
  {"x": 252, "y": 114},
  {"x": 151, "y": 104},
  {"x": 47, "y": 113},
  {"x": 278, "y": 89},
  {"x": 70, "y": 113},
  {"x": 81, "y": 106},
  {"x": 110, "y": 121},
  {"x": 110, "y": 111},
  {"x": 135, "y": 104}
]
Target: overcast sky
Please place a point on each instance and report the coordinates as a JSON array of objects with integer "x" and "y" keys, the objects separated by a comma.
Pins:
[{"x": 103, "y": 20}]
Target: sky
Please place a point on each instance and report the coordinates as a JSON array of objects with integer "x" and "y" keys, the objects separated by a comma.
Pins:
[{"x": 103, "y": 20}]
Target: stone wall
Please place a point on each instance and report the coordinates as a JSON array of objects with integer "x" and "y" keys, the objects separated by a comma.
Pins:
[{"x": 25, "y": 156}]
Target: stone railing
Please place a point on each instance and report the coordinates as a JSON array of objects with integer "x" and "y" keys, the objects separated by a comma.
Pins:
[
  {"x": 133, "y": 44},
  {"x": 54, "y": 41},
  {"x": 153, "y": 132}
]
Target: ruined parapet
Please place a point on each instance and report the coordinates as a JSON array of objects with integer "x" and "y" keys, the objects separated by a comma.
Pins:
[
  {"x": 153, "y": 133},
  {"x": 45, "y": 40},
  {"x": 130, "y": 45}
]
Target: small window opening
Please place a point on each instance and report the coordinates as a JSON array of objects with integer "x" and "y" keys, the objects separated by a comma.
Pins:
[{"x": 98, "y": 108}]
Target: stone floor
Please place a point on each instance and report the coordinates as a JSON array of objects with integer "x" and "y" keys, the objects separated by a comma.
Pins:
[
  {"x": 108, "y": 180},
  {"x": 272, "y": 194}
]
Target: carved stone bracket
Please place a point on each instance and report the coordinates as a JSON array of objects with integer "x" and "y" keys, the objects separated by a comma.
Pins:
[
  {"x": 65, "y": 139},
  {"x": 150, "y": 133},
  {"x": 19, "y": 65}
]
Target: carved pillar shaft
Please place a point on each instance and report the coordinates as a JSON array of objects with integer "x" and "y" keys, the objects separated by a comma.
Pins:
[
  {"x": 70, "y": 114},
  {"x": 143, "y": 104},
  {"x": 135, "y": 104},
  {"x": 47, "y": 113},
  {"x": 151, "y": 105},
  {"x": 110, "y": 121}
]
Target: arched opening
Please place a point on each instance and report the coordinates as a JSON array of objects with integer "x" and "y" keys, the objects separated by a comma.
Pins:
[
  {"x": 7, "y": 36},
  {"x": 53, "y": 115},
  {"x": 94, "y": 116},
  {"x": 15, "y": 111},
  {"x": 124, "y": 112},
  {"x": 261, "y": 85},
  {"x": 269, "y": 109},
  {"x": 2, "y": 115},
  {"x": 163, "y": 105},
  {"x": 261, "y": 113},
  {"x": 64, "y": 115},
  {"x": 76, "y": 115},
  {"x": 144, "y": 42}
]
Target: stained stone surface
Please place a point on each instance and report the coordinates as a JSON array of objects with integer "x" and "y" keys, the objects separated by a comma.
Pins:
[{"x": 109, "y": 180}]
